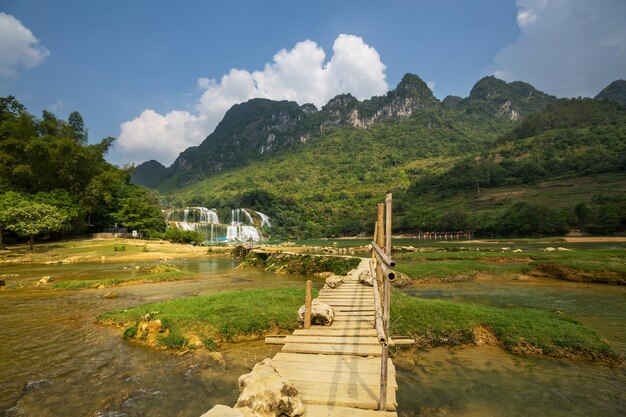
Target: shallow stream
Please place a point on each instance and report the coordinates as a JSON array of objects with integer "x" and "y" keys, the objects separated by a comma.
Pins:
[{"x": 55, "y": 361}]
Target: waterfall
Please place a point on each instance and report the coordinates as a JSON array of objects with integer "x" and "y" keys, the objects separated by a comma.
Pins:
[
  {"x": 244, "y": 211},
  {"x": 265, "y": 220},
  {"x": 206, "y": 222}
]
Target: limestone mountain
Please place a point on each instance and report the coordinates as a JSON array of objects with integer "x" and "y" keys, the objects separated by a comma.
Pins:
[
  {"x": 616, "y": 91},
  {"x": 149, "y": 174},
  {"x": 260, "y": 129},
  {"x": 493, "y": 96}
]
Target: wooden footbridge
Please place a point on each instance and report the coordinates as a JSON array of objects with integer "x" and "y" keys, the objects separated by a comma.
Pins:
[{"x": 343, "y": 370}]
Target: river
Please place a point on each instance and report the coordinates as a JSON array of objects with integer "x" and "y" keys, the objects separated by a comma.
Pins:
[{"x": 55, "y": 361}]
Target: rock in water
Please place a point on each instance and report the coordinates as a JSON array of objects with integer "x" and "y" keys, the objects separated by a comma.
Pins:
[
  {"x": 268, "y": 394},
  {"x": 334, "y": 281},
  {"x": 320, "y": 313}
]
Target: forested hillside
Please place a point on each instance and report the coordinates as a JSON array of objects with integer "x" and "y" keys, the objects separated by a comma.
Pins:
[
  {"x": 481, "y": 163},
  {"x": 53, "y": 182}
]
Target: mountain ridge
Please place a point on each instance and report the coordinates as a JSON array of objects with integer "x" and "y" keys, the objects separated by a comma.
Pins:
[{"x": 262, "y": 128}]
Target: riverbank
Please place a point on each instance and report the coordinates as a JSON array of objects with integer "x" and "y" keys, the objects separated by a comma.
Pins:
[
  {"x": 205, "y": 322},
  {"x": 104, "y": 250}
]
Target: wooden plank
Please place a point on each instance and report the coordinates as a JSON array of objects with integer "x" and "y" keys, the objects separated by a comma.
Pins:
[
  {"x": 361, "y": 403},
  {"x": 314, "y": 410},
  {"x": 355, "y": 362},
  {"x": 360, "y": 350},
  {"x": 325, "y": 376},
  {"x": 333, "y": 390},
  {"x": 332, "y": 339},
  {"x": 372, "y": 369},
  {"x": 352, "y": 326},
  {"x": 335, "y": 332}
]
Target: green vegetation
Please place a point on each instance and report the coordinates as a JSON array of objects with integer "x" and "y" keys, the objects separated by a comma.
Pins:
[
  {"x": 300, "y": 264},
  {"x": 157, "y": 274},
  {"x": 251, "y": 314},
  {"x": 182, "y": 236},
  {"x": 590, "y": 265},
  {"x": 451, "y": 167},
  {"x": 53, "y": 183},
  {"x": 239, "y": 315},
  {"x": 435, "y": 322}
]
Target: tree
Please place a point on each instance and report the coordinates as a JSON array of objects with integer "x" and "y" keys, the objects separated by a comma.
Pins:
[
  {"x": 79, "y": 133},
  {"x": 8, "y": 200},
  {"x": 33, "y": 219}
]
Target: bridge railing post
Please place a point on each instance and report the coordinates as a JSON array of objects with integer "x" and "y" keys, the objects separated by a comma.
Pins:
[
  {"x": 384, "y": 274},
  {"x": 307, "y": 304}
]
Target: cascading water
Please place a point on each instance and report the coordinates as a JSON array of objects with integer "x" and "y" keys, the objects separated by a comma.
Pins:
[
  {"x": 265, "y": 220},
  {"x": 244, "y": 224}
]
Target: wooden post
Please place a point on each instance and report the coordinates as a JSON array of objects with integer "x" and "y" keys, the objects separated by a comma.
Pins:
[
  {"x": 387, "y": 225},
  {"x": 307, "y": 304},
  {"x": 382, "y": 405},
  {"x": 380, "y": 239}
]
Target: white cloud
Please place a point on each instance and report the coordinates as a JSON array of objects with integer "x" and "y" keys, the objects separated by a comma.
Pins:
[
  {"x": 300, "y": 74},
  {"x": 56, "y": 106},
  {"x": 18, "y": 47},
  {"x": 525, "y": 17},
  {"x": 566, "y": 47}
]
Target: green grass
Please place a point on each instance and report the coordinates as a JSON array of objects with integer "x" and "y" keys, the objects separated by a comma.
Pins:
[
  {"x": 238, "y": 315},
  {"x": 448, "y": 269},
  {"x": 436, "y": 322},
  {"x": 454, "y": 263},
  {"x": 111, "y": 282},
  {"x": 251, "y": 314}
]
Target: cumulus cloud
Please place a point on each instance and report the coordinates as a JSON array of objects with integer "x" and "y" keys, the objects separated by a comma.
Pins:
[
  {"x": 301, "y": 74},
  {"x": 18, "y": 47},
  {"x": 566, "y": 47}
]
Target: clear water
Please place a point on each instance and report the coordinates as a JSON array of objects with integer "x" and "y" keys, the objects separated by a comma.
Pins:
[
  {"x": 486, "y": 381},
  {"x": 55, "y": 361}
]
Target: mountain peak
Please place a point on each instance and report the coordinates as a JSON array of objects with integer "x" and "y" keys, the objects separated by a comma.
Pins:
[
  {"x": 508, "y": 100},
  {"x": 412, "y": 85},
  {"x": 616, "y": 91}
]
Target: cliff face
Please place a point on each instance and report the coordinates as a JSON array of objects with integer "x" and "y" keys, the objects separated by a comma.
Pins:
[{"x": 261, "y": 128}]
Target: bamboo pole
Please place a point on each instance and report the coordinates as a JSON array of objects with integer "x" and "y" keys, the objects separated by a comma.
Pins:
[
  {"x": 383, "y": 256},
  {"x": 380, "y": 238},
  {"x": 388, "y": 225},
  {"x": 378, "y": 315},
  {"x": 382, "y": 406},
  {"x": 307, "y": 304}
]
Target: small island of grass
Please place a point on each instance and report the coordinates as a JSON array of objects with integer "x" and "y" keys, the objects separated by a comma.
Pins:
[{"x": 205, "y": 321}]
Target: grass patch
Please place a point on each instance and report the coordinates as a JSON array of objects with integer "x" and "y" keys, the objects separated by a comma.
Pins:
[
  {"x": 111, "y": 282},
  {"x": 231, "y": 316},
  {"x": 449, "y": 269},
  {"x": 436, "y": 322},
  {"x": 589, "y": 265}
]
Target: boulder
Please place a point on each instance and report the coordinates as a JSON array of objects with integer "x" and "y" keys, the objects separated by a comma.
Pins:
[
  {"x": 560, "y": 249},
  {"x": 550, "y": 249},
  {"x": 365, "y": 277},
  {"x": 517, "y": 251},
  {"x": 224, "y": 411},
  {"x": 267, "y": 393},
  {"x": 320, "y": 313},
  {"x": 45, "y": 280},
  {"x": 334, "y": 281},
  {"x": 113, "y": 294}
]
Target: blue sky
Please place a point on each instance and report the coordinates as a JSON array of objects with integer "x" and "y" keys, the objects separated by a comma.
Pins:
[{"x": 158, "y": 75}]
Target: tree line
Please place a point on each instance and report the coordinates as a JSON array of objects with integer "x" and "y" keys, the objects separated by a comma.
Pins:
[{"x": 53, "y": 182}]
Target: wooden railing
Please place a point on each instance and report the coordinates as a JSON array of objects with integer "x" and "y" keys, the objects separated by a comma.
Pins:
[{"x": 383, "y": 264}]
